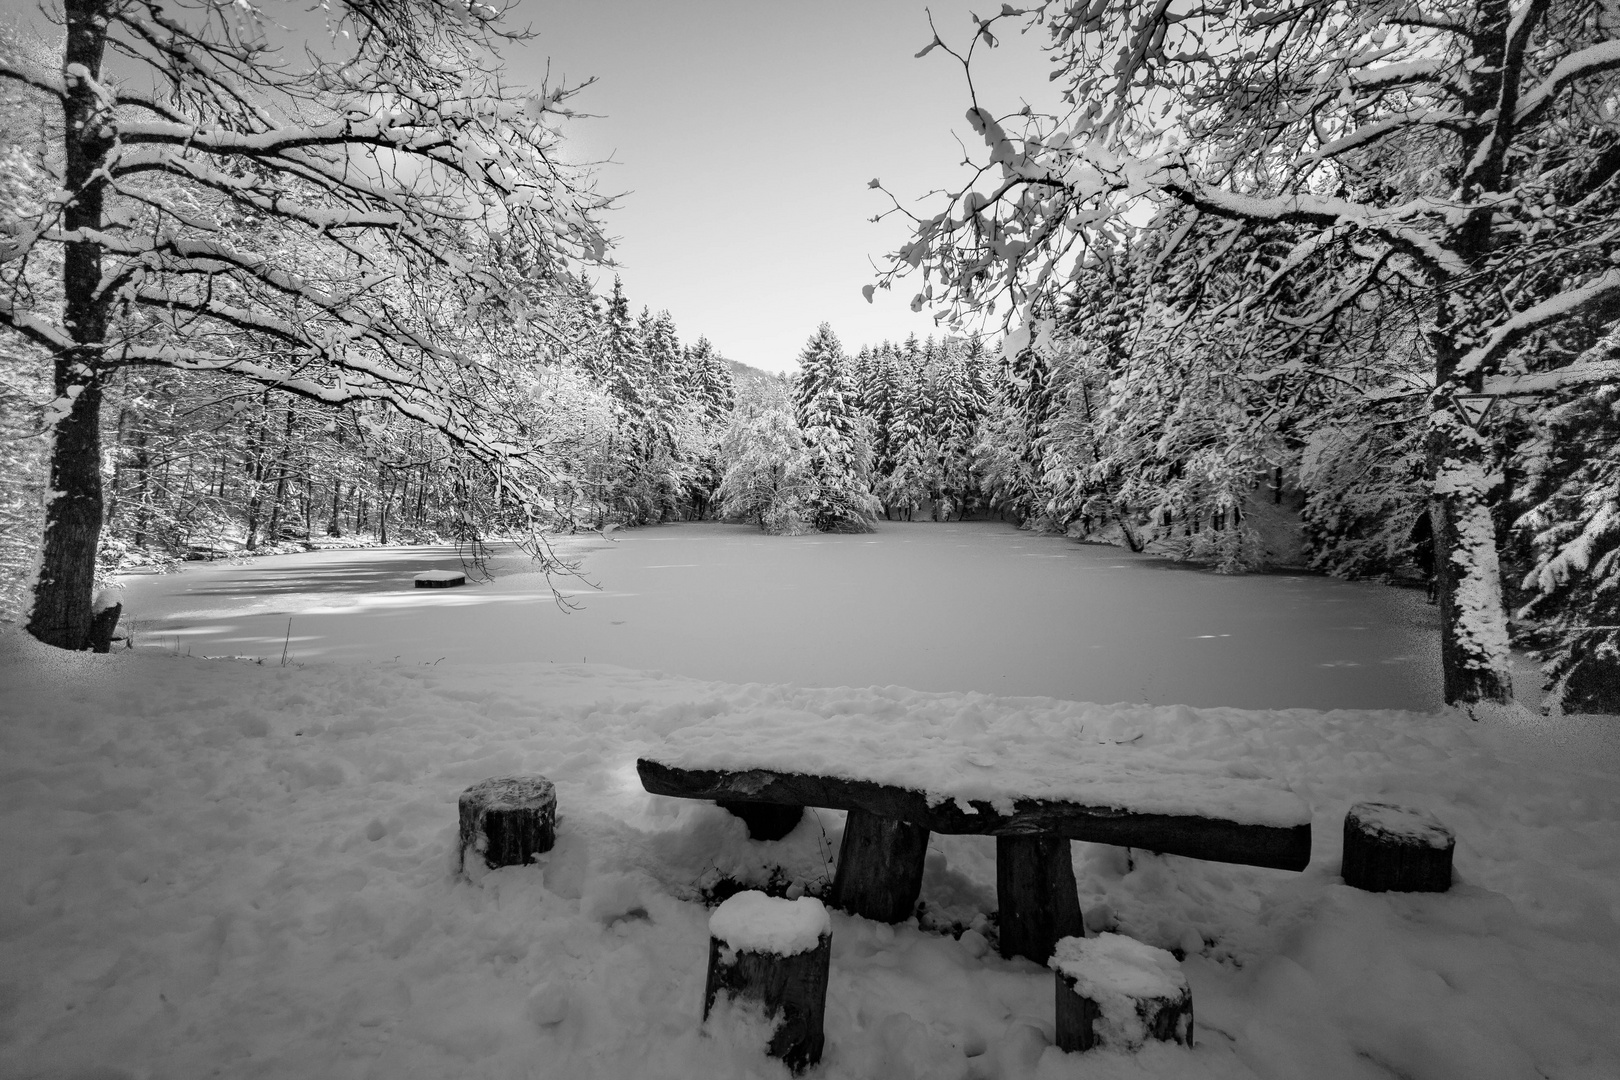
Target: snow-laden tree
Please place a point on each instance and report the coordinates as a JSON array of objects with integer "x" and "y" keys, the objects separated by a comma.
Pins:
[
  {"x": 715, "y": 389},
  {"x": 768, "y": 476},
  {"x": 1573, "y": 523},
  {"x": 839, "y": 449},
  {"x": 308, "y": 225},
  {"x": 1460, "y": 155}
]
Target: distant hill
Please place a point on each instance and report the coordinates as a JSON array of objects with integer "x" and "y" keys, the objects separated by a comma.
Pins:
[{"x": 753, "y": 384}]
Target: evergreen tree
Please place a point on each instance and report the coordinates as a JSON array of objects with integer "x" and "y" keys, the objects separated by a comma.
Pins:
[
  {"x": 908, "y": 481},
  {"x": 1573, "y": 526},
  {"x": 623, "y": 360},
  {"x": 715, "y": 388},
  {"x": 838, "y": 448}
]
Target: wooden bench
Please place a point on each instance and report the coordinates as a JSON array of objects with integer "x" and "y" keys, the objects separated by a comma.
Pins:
[{"x": 880, "y": 864}]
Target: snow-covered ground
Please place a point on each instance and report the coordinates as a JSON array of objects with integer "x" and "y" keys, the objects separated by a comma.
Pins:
[{"x": 220, "y": 867}]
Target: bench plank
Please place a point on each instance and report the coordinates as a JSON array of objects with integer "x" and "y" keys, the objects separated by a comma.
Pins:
[{"x": 1279, "y": 847}]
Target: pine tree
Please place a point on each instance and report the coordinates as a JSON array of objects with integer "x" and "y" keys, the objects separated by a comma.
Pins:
[
  {"x": 909, "y": 479},
  {"x": 1573, "y": 525},
  {"x": 716, "y": 390},
  {"x": 839, "y": 453}
]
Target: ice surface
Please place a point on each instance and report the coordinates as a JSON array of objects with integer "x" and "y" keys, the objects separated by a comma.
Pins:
[
  {"x": 751, "y": 921},
  {"x": 960, "y": 606}
]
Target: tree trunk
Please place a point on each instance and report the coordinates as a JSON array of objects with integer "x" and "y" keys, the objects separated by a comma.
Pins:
[
  {"x": 113, "y": 501},
  {"x": 143, "y": 510},
  {"x": 272, "y": 531},
  {"x": 1474, "y": 659},
  {"x": 61, "y": 613},
  {"x": 255, "y": 474},
  {"x": 1475, "y": 662}
]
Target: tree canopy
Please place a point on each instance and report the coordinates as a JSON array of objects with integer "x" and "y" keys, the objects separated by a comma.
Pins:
[{"x": 1405, "y": 201}]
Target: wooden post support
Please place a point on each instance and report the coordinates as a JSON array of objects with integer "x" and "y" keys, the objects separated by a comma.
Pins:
[
  {"x": 508, "y": 819},
  {"x": 880, "y": 867},
  {"x": 1036, "y": 894},
  {"x": 1391, "y": 848},
  {"x": 1116, "y": 992},
  {"x": 102, "y": 625},
  {"x": 765, "y": 821},
  {"x": 777, "y": 952}
]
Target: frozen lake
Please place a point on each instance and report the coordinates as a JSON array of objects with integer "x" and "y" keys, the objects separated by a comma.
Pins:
[{"x": 966, "y": 606}]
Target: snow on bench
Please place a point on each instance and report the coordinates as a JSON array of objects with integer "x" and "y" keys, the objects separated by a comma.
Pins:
[{"x": 1033, "y": 786}]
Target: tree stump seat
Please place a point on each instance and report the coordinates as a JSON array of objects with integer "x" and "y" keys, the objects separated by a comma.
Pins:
[
  {"x": 1118, "y": 992},
  {"x": 507, "y": 820},
  {"x": 1389, "y": 848},
  {"x": 880, "y": 863},
  {"x": 439, "y": 579},
  {"x": 778, "y": 953}
]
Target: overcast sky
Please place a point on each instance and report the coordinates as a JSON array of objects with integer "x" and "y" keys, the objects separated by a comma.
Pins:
[{"x": 745, "y": 132}]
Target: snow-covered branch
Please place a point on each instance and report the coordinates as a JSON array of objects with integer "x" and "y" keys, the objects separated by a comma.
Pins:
[
  {"x": 1602, "y": 293},
  {"x": 1581, "y": 64}
]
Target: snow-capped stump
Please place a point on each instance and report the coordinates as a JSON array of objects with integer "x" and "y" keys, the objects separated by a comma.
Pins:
[
  {"x": 765, "y": 821},
  {"x": 776, "y": 952},
  {"x": 440, "y": 579},
  {"x": 1390, "y": 848},
  {"x": 103, "y": 623},
  {"x": 1117, "y": 992},
  {"x": 508, "y": 819},
  {"x": 1039, "y": 900},
  {"x": 880, "y": 867}
]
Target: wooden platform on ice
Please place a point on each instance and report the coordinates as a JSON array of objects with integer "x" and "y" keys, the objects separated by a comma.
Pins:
[{"x": 440, "y": 579}]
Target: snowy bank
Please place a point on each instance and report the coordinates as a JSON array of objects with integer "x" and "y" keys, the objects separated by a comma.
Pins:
[{"x": 249, "y": 869}]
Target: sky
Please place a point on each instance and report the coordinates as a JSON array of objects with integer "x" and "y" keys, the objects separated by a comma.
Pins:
[{"x": 744, "y": 134}]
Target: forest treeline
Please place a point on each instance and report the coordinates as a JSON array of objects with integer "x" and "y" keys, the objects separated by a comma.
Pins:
[{"x": 1115, "y": 420}]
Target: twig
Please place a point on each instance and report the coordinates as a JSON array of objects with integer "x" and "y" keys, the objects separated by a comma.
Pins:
[{"x": 285, "y": 642}]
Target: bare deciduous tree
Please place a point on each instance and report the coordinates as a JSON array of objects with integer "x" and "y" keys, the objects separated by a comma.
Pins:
[{"x": 309, "y": 226}]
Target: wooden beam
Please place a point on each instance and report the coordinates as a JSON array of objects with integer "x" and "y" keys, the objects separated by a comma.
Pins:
[
  {"x": 1280, "y": 847},
  {"x": 880, "y": 867}
]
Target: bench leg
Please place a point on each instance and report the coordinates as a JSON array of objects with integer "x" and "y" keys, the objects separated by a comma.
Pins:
[
  {"x": 1037, "y": 896},
  {"x": 765, "y": 821},
  {"x": 880, "y": 867}
]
